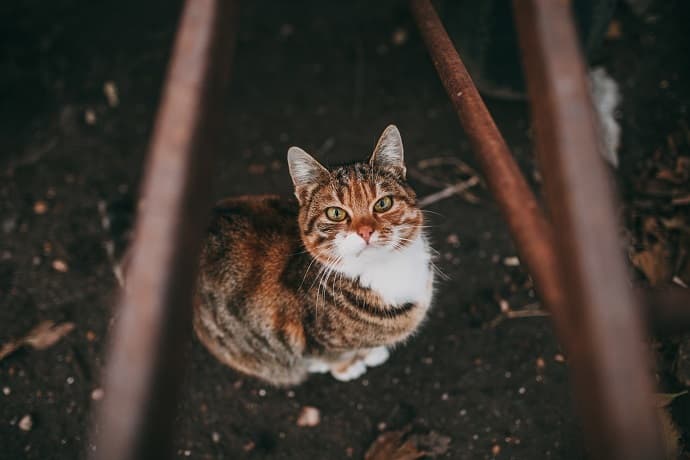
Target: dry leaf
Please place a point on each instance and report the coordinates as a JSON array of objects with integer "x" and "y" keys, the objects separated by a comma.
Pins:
[
  {"x": 669, "y": 430},
  {"x": 397, "y": 445},
  {"x": 654, "y": 263},
  {"x": 43, "y": 336}
]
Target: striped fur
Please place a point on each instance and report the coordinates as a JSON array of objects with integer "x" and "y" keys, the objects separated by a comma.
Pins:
[{"x": 278, "y": 290}]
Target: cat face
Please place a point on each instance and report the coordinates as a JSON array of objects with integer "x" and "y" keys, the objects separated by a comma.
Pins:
[{"x": 358, "y": 210}]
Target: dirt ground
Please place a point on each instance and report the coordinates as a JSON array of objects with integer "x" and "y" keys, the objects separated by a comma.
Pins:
[{"x": 327, "y": 76}]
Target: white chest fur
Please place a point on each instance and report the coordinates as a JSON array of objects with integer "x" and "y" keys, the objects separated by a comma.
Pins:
[{"x": 397, "y": 276}]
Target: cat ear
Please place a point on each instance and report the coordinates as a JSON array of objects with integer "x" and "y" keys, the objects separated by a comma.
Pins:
[
  {"x": 388, "y": 153},
  {"x": 304, "y": 169}
]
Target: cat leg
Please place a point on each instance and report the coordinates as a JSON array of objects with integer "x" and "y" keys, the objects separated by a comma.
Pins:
[
  {"x": 348, "y": 370},
  {"x": 318, "y": 366},
  {"x": 376, "y": 356}
]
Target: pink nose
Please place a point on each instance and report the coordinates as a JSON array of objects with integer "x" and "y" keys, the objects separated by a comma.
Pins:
[{"x": 365, "y": 232}]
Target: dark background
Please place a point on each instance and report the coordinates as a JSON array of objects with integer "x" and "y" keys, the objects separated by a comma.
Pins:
[{"x": 327, "y": 76}]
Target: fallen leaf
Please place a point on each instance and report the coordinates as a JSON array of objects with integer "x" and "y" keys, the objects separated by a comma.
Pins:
[
  {"x": 654, "y": 263},
  {"x": 397, "y": 445},
  {"x": 43, "y": 336}
]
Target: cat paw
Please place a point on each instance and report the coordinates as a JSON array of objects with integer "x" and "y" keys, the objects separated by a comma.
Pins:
[
  {"x": 349, "y": 372},
  {"x": 376, "y": 356},
  {"x": 318, "y": 367}
]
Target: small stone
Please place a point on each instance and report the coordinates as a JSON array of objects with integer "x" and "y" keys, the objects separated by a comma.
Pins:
[
  {"x": 541, "y": 364},
  {"x": 110, "y": 91},
  {"x": 249, "y": 446},
  {"x": 522, "y": 390},
  {"x": 504, "y": 305},
  {"x": 309, "y": 416},
  {"x": 495, "y": 450},
  {"x": 60, "y": 266},
  {"x": 381, "y": 426},
  {"x": 36, "y": 260},
  {"x": 453, "y": 240},
  {"x": 90, "y": 336},
  {"x": 70, "y": 380},
  {"x": 559, "y": 358},
  {"x": 215, "y": 437},
  {"x": 399, "y": 36},
  {"x": 26, "y": 423},
  {"x": 90, "y": 117},
  {"x": 290, "y": 394},
  {"x": 511, "y": 261},
  {"x": 262, "y": 392},
  {"x": 187, "y": 453},
  {"x": 6, "y": 391},
  {"x": 97, "y": 394},
  {"x": 40, "y": 207}
]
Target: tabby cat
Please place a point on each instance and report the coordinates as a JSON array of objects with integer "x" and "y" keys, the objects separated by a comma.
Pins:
[{"x": 324, "y": 284}]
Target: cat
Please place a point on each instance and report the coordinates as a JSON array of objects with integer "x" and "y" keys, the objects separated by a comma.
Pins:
[{"x": 324, "y": 283}]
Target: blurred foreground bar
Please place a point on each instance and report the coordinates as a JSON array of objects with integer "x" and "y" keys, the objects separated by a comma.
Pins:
[
  {"x": 147, "y": 350},
  {"x": 578, "y": 270},
  {"x": 610, "y": 366}
]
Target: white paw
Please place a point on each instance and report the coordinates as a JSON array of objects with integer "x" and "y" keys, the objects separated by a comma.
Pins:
[
  {"x": 351, "y": 372},
  {"x": 376, "y": 356},
  {"x": 318, "y": 367}
]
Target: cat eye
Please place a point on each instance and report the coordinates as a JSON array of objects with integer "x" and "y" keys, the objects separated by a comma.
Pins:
[
  {"x": 336, "y": 214},
  {"x": 384, "y": 204}
]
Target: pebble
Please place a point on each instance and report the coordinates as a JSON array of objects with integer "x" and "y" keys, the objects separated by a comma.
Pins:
[
  {"x": 559, "y": 358},
  {"x": 215, "y": 437},
  {"x": 309, "y": 416},
  {"x": 511, "y": 261},
  {"x": 90, "y": 117},
  {"x": 26, "y": 423},
  {"x": 97, "y": 394},
  {"x": 40, "y": 207},
  {"x": 6, "y": 391},
  {"x": 495, "y": 450},
  {"x": 399, "y": 36},
  {"x": 60, "y": 266},
  {"x": 111, "y": 94},
  {"x": 541, "y": 363}
]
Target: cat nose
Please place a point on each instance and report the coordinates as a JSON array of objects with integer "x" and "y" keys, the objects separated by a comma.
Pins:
[{"x": 365, "y": 232}]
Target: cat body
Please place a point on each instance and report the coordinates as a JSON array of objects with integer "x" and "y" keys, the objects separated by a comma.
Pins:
[{"x": 324, "y": 283}]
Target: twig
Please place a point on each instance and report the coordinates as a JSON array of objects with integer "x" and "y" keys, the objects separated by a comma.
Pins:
[
  {"x": 449, "y": 191},
  {"x": 513, "y": 314}
]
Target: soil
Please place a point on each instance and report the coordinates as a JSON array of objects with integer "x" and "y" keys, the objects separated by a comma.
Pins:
[{"x": 327, "y": 76}]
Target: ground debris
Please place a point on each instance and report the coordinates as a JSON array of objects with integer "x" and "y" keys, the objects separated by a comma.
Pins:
[
  {"x": 401, "y": 445},
  {"x": 43, "y": 336},
  {"x": 670, "y": 433},
  {"x": 26, "y": 423},
  {"x": 309, "y": 416}
]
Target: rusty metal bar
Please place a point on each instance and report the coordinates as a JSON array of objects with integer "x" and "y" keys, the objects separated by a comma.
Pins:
[
  {"x": 609, "y": 365},
  {"x": 526, "y": 222},
  {"x": 667, "y": 309},
  {"x": 146, "y": 356}
]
